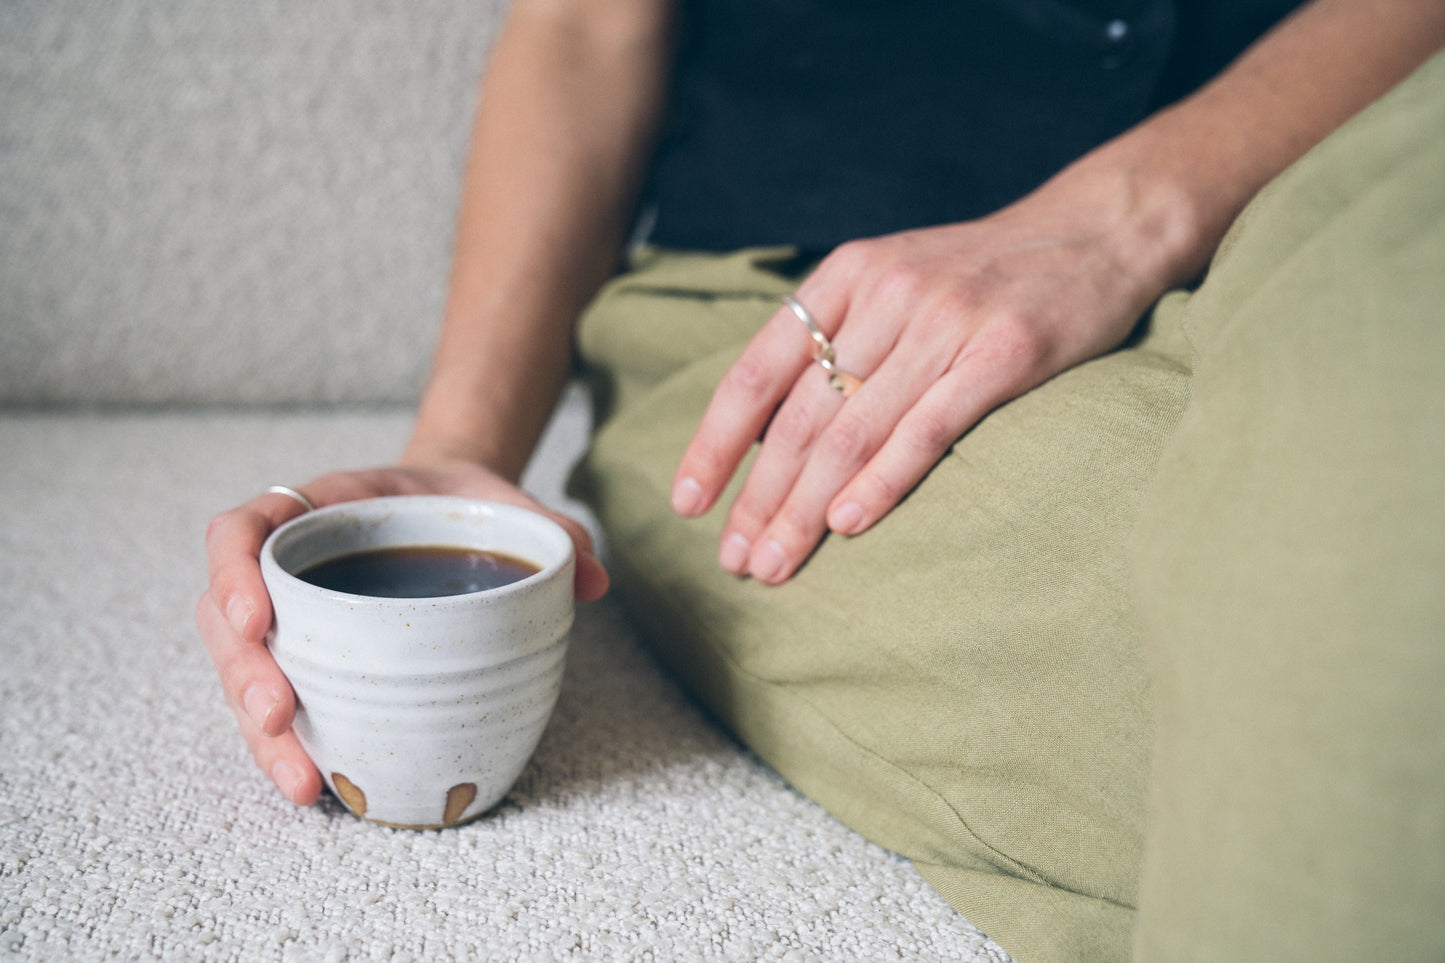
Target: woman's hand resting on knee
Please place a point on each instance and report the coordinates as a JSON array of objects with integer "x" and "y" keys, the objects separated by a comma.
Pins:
[
  {"x": 234, "y": 614},
  {"x": 944, "y": 324},
  {"x": 941, "y": 325}
]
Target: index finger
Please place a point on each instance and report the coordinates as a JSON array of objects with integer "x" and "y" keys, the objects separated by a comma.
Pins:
[
  {"x": 742, "y": 405},
  {"x": 233, "y": 550}
]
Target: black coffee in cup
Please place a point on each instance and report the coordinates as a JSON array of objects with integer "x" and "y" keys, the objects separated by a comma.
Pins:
[{"x": 417, "y": 571}]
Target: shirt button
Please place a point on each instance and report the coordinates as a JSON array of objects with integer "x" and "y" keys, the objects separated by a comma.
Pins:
[{"x": 1118, "y": 44}]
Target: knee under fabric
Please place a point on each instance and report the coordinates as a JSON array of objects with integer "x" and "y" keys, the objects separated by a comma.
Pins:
[
  {"x": 963, "y": 684},
  {"x": 1290, "y": 569},
  {"x": 972, "y": 683}
]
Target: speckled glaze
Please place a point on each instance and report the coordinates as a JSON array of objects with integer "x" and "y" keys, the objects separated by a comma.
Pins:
[{"x": 421, "y": 713}]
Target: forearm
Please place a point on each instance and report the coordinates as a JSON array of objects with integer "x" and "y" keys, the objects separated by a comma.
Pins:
[
  {"x": 569, "y": 107},
  {"x": 1186, "y": 173}
]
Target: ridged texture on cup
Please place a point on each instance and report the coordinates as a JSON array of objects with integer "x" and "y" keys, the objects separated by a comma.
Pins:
[{"x": 421, "y": 713}]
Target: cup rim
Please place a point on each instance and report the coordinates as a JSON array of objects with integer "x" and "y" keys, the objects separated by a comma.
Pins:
[{"x": 278, "y": 577}]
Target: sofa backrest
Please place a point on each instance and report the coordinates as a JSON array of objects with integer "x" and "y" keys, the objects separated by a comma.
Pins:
[{"x": 229, "y": 203}]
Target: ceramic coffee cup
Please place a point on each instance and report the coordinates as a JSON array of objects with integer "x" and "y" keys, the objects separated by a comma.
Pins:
[{"x": 421, "y": 712}]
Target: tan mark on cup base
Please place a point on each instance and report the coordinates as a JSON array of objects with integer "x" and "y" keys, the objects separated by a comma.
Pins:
[
  {"x": 459, "y": 797},
  {"x": 350, "y": 794}
]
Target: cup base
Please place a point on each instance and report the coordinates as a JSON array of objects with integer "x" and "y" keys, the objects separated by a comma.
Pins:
[
  {"x": 427, "y": 826},
  {"x": 459, "y": 799}
]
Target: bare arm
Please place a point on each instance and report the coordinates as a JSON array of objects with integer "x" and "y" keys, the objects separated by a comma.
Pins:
[
  {"x": 569, "y": 108},
  {"x": 1205, "y": 157},
  {"x": 571, "y": 98},
  {"x": 947, "y": 323}
]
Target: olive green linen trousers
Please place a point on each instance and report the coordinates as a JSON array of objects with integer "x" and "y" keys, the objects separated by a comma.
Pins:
[{"x": 1153, "y": 661}]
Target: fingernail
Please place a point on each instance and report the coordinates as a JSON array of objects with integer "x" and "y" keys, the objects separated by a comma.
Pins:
[
  {"x": 686, "y": 497},
  {"x": 259, "y": 705},
  {"x": 768, "y": 561},
  {"x": 288, "y": 778},
  {"x": 847, "y": 518},
  {"x": 238, "y": 613},
  {"x": 733, "y": 555}
]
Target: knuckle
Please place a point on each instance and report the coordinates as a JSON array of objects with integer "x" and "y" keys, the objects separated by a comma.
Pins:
[
  {"x": 747, "y": 516},
  {"x": 704, "y": 462},
  {"x": 850, "y": 256},
  {"x": 901, "y": 283},
  {"x": 1019, "y": 343},
  {"x": 959, "y": 305},
  {"x": 847, "y": 441},
  {"x": 792, "y": 429},
  {"x": 791, "y": 527},
  {"x": 882, "y": 491},
  {"x": 848, "y": 252},
  {"x": 235, "y": 677},
  {"x": 220, "y": 525},
  {"x": 853, "y": 258},
  {"x": 928, "y": 435},
  {"x": 351, "y": 484},
  {"x": 748, "y": 377}
]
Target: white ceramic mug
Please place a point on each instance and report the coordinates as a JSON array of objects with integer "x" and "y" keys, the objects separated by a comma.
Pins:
[{"x": 421, "y": 712}]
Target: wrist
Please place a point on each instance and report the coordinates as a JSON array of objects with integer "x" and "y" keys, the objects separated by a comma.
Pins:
[
  {"x": 1140, "y": 215},
  {"x": 427, "y": 451},
  {"x": 1170, "y": 188},
  {"x": 436, "y": 443},
  {"x": 449, "y": 427},
  {"x": 481, "y": 414}
]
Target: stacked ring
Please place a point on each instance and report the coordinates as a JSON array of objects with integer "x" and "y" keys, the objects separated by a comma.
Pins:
[{"x": 843, "y": 382}]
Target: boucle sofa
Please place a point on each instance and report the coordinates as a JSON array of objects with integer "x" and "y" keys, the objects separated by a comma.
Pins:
[
  {"x": 224, "y": 234},
  {"x": 223, "y": 241}
]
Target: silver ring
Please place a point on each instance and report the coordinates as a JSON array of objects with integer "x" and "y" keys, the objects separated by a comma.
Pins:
[
  {"x": 292, "y": 493},
  {"x": 843, "y": 382},
  {"x": 823, "y": 348}
]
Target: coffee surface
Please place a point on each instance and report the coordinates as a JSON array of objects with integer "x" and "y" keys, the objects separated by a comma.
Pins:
[{"x": 417, "y": 571}]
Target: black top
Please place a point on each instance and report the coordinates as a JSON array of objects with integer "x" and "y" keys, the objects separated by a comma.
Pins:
[{"x": 812, "y": 122}]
